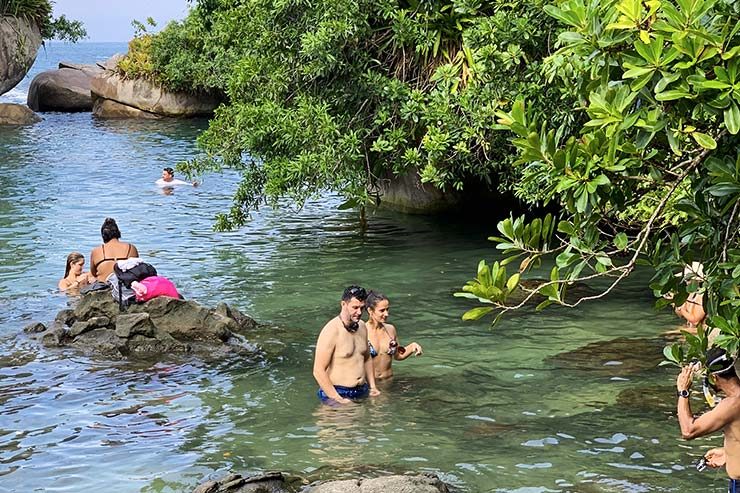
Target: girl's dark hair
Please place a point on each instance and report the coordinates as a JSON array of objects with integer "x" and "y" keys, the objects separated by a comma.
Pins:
[
  {"x": 373, "y": 298},
  {"x": 109, "y": 230},
  {"x": 72, "y": 258}
]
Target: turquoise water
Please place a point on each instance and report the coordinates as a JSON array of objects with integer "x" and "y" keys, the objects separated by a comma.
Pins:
[{"x": 559, "y": 401}]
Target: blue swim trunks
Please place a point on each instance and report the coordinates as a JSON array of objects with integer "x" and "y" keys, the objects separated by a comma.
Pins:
[
  {"x": 347, "y": 392},
  {"x": 734, "y": 486}
]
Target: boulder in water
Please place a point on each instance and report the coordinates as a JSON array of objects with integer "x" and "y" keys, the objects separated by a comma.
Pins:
[
  {"x": 144, "y": 97},
  {"x": 19, "y": 44},
  {"x": 64, "y": 89},
  {"x": 272, "y": 482},
  {"x": 161, "y": 326},
  {"x": 17, "y": 114}
]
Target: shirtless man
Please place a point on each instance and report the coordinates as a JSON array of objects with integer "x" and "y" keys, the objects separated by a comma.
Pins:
[
  {"x": 725, "y": 416},
  {"x": 342, "y": 365}
]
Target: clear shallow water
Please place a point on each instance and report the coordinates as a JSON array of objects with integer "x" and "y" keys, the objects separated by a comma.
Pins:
[{"x": 552, "y": 402}]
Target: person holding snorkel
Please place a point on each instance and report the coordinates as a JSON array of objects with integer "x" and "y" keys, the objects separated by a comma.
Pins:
[{"x": 725, "y": 416}]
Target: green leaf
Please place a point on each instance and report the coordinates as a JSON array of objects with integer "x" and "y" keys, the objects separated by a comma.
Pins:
[
  {"x": 732, "y": 118},
  {"x": 704, "y": 140},
  {"x": 476, "y": 313},
  {"x": 620, "y": 241},
  {"x": 672, "y": 95}
]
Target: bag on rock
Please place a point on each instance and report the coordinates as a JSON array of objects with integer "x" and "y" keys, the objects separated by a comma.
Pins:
[{"x": 152, "y": 287}]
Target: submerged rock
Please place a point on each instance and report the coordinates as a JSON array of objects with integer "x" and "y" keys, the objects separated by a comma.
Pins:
[
  {"x": 160, "y": 326},
  {"x": 617, "y": 357},
  {"x": 272, "y": 482},
  {"x": 423, "y": 483}
]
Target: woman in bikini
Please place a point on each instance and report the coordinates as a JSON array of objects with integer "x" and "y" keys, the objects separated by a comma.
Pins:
[
  {"x": 104, "y": 257},
  {"x": 74, "y": 278},
  {"x": 383, "y": 338}
]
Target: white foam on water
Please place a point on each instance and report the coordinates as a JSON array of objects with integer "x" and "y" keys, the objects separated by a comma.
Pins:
[{"x": 14, "y": 96}]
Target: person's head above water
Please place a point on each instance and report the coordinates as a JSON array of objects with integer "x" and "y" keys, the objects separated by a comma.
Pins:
[
  {"x": 168, "y": 174},
  {"x": 109, "y": 230},
  {"x": 378, "y": 306},
  {"x": 373, "y": 298},
  {"x": 74, "y": 259},
  {"x": 353, "y": 301},
  {"x": 354, "y": 292}
]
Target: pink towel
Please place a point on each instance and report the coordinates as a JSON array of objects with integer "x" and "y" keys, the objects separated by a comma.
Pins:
[{"x": 154, "y": 286}]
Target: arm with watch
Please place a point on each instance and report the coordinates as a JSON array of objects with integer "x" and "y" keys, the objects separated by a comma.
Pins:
[{"x": 709, "y": 422}]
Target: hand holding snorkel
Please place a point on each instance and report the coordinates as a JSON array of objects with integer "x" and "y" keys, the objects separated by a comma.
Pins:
[{"x": 683, "y": 381}]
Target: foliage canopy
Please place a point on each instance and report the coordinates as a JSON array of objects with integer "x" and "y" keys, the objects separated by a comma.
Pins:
[
  {"x": 652, "y": 175},
  {"x": 342, "y": 94}
]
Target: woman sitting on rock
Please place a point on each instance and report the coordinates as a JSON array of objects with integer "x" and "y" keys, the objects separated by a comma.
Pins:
[
  {"x": 383, "y": 338},
  {"x": 74, "y": 277},
  {"x": 104, "y": 257}
]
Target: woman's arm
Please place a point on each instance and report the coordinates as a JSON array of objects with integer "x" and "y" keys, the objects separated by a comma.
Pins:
[{"x": 412, "y": 349}]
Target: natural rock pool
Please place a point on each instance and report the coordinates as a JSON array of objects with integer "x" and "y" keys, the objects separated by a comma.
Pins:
[{"x": 558, "y": 401}]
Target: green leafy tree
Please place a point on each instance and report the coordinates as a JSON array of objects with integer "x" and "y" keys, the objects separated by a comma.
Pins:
[
  {"x": 650, "y": 176},
  {"x": 341, "y": 95},
  {"x": 40, "y": 13}
]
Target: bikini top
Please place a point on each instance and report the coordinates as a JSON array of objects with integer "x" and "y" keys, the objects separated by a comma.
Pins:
[
  {"x": 392, "y": 348},
  {"x": 114, "y": 259}
]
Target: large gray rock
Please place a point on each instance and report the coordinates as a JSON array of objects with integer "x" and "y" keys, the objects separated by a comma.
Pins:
[
  {"x": 17, "y": 114},
  {"x": 146, "y": 97},
  {"x": 19, "y": 44},
  {"x": 423, "y": 483},
  {"x": 159, "y": 327},
  {"x": 406, "y": 193},
  {"x": 64, "y": 89}
]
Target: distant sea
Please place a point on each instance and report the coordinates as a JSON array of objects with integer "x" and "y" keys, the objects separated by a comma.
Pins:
[{"x": 52, "y": 53}]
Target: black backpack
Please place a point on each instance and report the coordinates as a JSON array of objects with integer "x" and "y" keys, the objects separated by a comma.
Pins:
[{"x": 136, "y": 273}]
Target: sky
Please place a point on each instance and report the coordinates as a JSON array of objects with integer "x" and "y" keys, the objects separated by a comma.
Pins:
[{"x": 110, "y": 20}]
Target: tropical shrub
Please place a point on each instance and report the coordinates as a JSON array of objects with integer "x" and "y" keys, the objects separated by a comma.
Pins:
[
  {"x": 658, "y": 86},
  {"x": 340, "y": 95}
]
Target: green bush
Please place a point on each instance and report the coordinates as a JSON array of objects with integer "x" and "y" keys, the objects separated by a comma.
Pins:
[{"x": 39, "y": 12}]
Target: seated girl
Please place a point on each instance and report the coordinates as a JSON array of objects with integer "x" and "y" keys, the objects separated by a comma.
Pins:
[{"x": 74, "y": 277}]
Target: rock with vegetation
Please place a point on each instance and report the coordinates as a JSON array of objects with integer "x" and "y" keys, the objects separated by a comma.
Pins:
[
  {"x": 139, "y": 97},
  {"x": 64, "y": 89},
  {"x": 158, "y": 327},
  {"x": 20, "y": 39},
  {"x": 23, "y": 26},
  {"x": 17, "y": 114}
]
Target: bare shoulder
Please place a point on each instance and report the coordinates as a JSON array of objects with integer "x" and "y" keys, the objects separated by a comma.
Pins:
[
  {"x": 391, "y": 330},
  {"x": 330, "y": 328}
]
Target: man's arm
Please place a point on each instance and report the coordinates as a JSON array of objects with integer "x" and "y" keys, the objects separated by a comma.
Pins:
[
  {"x": 322, "y": 359},
  {"x": 707, "y": 423}
]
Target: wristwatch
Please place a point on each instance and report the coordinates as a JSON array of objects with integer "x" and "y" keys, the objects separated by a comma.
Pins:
[{"x": 683, "y": 393}]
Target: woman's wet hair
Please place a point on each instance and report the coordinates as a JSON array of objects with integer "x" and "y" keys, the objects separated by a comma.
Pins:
[
  {"x": 354, "y": 292},
  {"x": 72, "y": 258},
  {"x": 373, "y": 298},
  {"x": 169, "y": 170},
  {"x": 109, "y": 230}
]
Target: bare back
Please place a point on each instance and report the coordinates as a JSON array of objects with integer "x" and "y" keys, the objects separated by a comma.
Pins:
[{"x": 103, "y": 258}]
